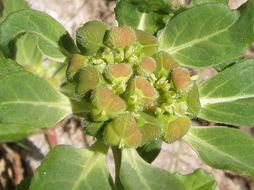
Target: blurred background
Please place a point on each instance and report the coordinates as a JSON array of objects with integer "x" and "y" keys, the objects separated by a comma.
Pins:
[{"x": 18, "y": 161}]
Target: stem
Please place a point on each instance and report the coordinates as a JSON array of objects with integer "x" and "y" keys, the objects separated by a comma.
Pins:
[
  {"x": 117, "y": 153},
  {"x": 51, "y": 137}
]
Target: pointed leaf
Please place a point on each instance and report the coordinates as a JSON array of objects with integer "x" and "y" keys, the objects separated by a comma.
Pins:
[
  {"x": 27, "y": 51},
  {"x": 229, "y": 96},
  {"x": 223, "y": 148},
  {"x": 10, "y": 6},
  {"x": 199, "y": 37},
  {"x": 15, "y": 132},
  {"x": 136, "y": 174},
  {"x": 28, "y": 100},
  {"x": 67, "y": 168},
  {"x": 198, "y": 180},
  {"x": 149, "y": 22},
  {"x": 47, "y": 30}
]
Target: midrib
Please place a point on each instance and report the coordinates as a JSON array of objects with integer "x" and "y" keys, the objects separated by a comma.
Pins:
[
  {"x": 86, "y": 169},
  {"x": 207, "y": 101},
  {"x": 173, "y": 50},
  {"x": 36, "y": 103},
  {"x": 142, "y": 22},
  {"x": 220, "y": 152}
]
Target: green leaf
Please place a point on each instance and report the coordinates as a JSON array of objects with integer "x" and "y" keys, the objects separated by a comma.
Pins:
[
  {"x": 67, "y": 168},
  {"x": 27, "y": 51},
  {"x": 149, "y": 22},
  {"x": 8, "y": 66},
  {"x": 149, "y": 152},
  {"x": 28, "y": 100},
  {"x": 161, "y": 6},
  {"x": 229, "y": 96},
  {"x": 224, "y": 148},
  {"x": 48, "y": 31},
  {"x": 10, "y": 6},
  {"x": 198, "y": 180},
  {"x": 136, "y": 174},
  {"x": 197, "y": 2},
  {"x": 199, "y": 37},
  {"x": 24, "y": 185},
  {"x": 15, "y": 132}
]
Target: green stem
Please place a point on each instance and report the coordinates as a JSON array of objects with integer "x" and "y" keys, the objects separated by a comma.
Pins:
[{"x": 117, "y": 153}]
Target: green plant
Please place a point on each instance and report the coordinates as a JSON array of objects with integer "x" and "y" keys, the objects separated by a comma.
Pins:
[{"x": 131, "y": 86}]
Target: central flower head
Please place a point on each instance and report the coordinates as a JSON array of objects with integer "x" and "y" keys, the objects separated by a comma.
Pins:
[{"x": 137, "y": 94}]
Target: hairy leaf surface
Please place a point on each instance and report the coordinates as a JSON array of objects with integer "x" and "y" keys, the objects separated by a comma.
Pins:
[
  {"x": 209, "y": 34},
  {"x": 223, "y": 148},
  {"x": 28, "y": 100},
  {"x": 198, "y": 180},
  {"x": 229, "y": 96},
  {"x": 136, "y": 174},
  {"x": 67, "y": 168},
  {"x": 48, "y": 31}
]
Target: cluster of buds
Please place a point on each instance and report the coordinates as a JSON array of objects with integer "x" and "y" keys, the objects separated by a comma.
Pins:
[{"x": 136, "y": 93}]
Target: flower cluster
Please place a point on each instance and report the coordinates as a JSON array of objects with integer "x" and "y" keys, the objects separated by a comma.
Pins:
[{"x": 136, "y": 93}]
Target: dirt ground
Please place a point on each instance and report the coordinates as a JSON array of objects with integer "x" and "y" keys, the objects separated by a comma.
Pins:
[{"x": 19, "y": 161}]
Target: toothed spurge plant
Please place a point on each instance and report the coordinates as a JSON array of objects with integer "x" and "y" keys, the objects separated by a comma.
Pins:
[{"x": 134, "y": 86}]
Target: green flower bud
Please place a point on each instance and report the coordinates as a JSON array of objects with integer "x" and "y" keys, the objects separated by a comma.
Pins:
[
  {"x": 150, "y": 127},
  {"x": 121, "y": 37},
  {"x": 165, "y": 64},
  {"x": 146, "y": 66},
  {"x": 118, "y": 55},
  {"x": 118, "y": 73},
  {"x": 149, "y": 43},
  {"x": 181, "y": 78},
  {"x": 108, "y": 56},
  {"x": 141, "y": 92},
  {"x": 92, "y": 128},
  {"x": 129, "y": 51},
  {"x": 123, "y": 132},
  {"x": 89, "y": 78},
  {"x": 175, "y": 128},
  {"x": 76, "y": 63},
  {"x": 90, "y": 37},
  {"x": 107, "y": 104}
]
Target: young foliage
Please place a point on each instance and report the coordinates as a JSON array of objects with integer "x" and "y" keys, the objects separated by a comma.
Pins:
[
  {"x": 50, "y": 34},
  {"x": 27, "y": 51}
]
